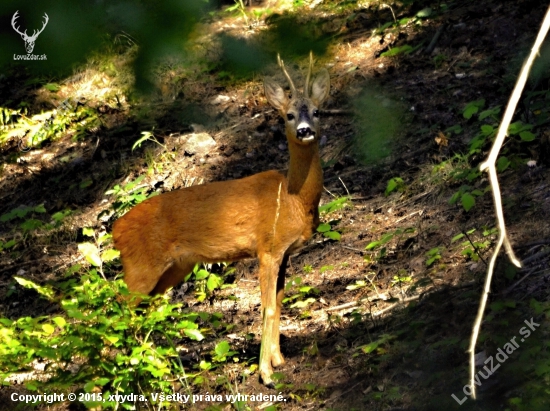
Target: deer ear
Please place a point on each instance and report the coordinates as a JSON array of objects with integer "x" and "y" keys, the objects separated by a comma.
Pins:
[
  {"x": 320, "y": 87},
  {"x": 275, "y": 94}
]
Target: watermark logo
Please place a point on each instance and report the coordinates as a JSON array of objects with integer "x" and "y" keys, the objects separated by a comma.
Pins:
[
  {"x": 501, "y": 356},
  {"x": 29, "y": 40}
]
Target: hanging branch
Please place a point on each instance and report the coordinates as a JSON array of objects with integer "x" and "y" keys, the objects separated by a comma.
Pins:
[{"x": 490, "y": 166}]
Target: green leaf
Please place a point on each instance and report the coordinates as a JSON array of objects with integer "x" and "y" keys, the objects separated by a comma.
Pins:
[
  {"x": 109, "y": 255},
  {"x": 39, "y": 209},
  {"x": 333, "y": 235},
  {"x": 86, "y": 183},
  {"x": 44, "y": 290},
  {"x": 472, "y": 108},
  {"x": 393, "y": 184},
  {"x": 457, "y": 237},
  {"x": 145, "y": 135},
  {"x": 88, "y": 232},
  {"x": 427, "y": 12},
  {"x": 112, "y": 338},
  {"x": 468, "y": 201},
  {"x": 201, "y": 274},
  {"x": 487, "y": 130},
  {"x": 194, "y": 334},
  {"x": 323, "y": 228},
  {"x": 397, "y": 50},
  {"x": 59, "y": 321},
  {"x": 89, "y": 386},
  {"x": 48, "y": 328},
  {"x": 214, "y": 281},
  {"x": 527, "y": 136},
  {"x": 91, "y": 253},
  {"x": 367, "y": 349},
  {"x": 53, "y": 87},
  {"x": 454, "y": 198},
  {"x": 334, "y": 205},
  {"x": 31, "y": 224},
  {"x": 222, "y": 348},
  {"x": 503, "y": 163},
  {"x": 457, "y": 129},
  {"x": 490, "y": 112},
  {"x": 470, "y": 111}
]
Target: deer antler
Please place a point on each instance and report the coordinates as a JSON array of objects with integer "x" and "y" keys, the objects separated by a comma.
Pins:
[
  {"x": 282, "y": 66},
  {"x": 13, "y": 21},
  {"x": 46, "y": 19},
  {"x": 306, "y": 87}
]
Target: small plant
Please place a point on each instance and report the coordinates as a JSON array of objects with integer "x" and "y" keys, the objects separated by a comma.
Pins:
[
  {"x": 100, "y": 347},
  {"x": 394, "y": 184},
  {"x": 206, "y": 282},
  {"x": 146, "y": 136},
  {"x": 473, "y": 247},
  {"x": 31, "y": 224},
  {"x": 386, "y": 238},
  {"x": 433, "y": 255},
  {"x": 305, "y": 295},
  {"x": 326, "y": 229},
  {"x": 129, "y": 195},
  {"x": 398, "y": 280},
  {"x": 240, "y": 8}
]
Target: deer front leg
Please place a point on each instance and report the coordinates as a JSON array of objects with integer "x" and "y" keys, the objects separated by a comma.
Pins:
[
  {"x": 277, "y": 358},
  {"x": 270, "y": 352}
]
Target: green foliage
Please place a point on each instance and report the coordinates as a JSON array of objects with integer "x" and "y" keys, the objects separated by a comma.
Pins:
[
  {"x": 112, "y": 348},
  {"x": 32, "y": 223},
  {"x": 467, "y": 196},
  {"x": 398, "y": 280},
  {"x": 394, "y": 184},
  {"x": 406, "y": 49},
  {"x": 50, "y": 125},
  {"x": 335, "y": 205},
  {"x": 472, "y": 108},
  {"x": 98, "y": 341},
  {"x": 386, "y": 238},
  {"x": 518, "y": 132},
  {"x": 303, "y": 295},
  {"x": 129, "y": 195},
  {"x": 363, "y": 283},
  {"x": 95, "y": 253},
  {"x": 206, "y": 282},
  {"x": 376, "y": 346},
  {"x": 433, "y": 255},
  {"x": 326, "y": 229},
  {"x": 146, "y": 136},
  {"x": 474, "y": 244}
]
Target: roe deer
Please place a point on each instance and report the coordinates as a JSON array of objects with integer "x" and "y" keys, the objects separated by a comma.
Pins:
[{"x": 267, "y": 215}]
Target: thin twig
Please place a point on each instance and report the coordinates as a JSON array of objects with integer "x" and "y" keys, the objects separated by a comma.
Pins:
[
  {"x": 435, "y": 38},
  {"x": 490, "y": 167}
]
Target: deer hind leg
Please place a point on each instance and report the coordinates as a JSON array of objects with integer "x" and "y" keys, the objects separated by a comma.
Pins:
[
  {"x": 277, "y": 358},
  {"x": 173, "y": 276},
  {"x": 269, "y": 270}
]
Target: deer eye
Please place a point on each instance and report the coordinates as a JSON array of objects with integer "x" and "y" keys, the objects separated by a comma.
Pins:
[
  {"x": 315, "y": 113},
  {"x": 290, "y": 116}
]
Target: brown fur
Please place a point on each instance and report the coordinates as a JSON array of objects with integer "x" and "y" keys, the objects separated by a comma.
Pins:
[{"x": 266, "y": 216}]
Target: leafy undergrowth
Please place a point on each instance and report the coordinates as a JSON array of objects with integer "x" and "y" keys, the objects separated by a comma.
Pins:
[{"x": 378, "y": 307}]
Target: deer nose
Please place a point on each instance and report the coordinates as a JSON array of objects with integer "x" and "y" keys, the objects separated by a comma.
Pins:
[{"x": 304, "y": 131}]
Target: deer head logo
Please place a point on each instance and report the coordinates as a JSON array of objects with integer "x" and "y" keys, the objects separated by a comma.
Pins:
[{"x": 29, "y": 40}]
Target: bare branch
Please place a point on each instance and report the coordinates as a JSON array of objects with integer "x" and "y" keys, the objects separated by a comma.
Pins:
[{"x": 490, "y": 166}]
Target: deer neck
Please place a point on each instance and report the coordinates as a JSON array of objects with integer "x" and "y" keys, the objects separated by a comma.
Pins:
[{"x": 305, "y": 175}]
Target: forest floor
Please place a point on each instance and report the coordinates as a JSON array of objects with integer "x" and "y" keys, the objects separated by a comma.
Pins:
[{"x": 389, "y": 323}]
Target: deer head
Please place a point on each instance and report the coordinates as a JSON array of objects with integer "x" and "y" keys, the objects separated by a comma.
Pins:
[{"x": 29, "y": 40}]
